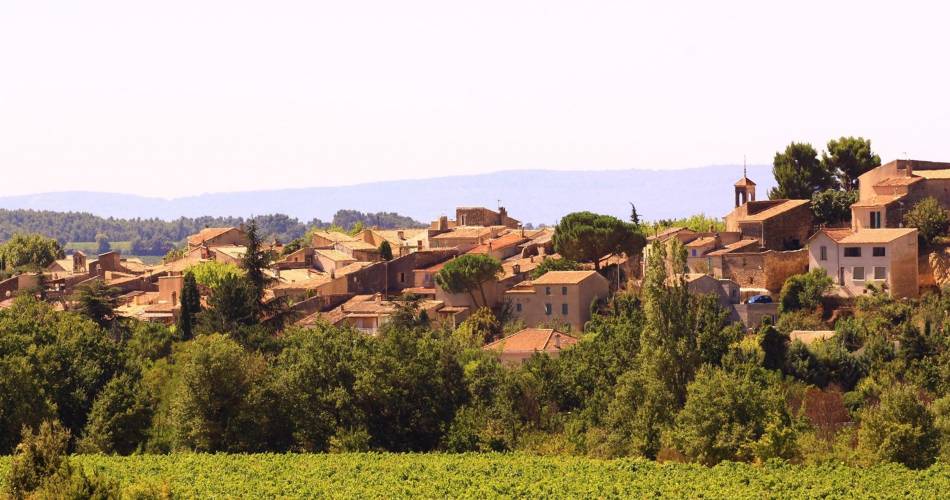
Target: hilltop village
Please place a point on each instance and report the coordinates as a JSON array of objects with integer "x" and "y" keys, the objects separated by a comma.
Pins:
[{"x": 361, "y": 279}]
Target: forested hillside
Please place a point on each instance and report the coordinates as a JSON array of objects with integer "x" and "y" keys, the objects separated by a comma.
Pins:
[{"x": 156, "y": 237}]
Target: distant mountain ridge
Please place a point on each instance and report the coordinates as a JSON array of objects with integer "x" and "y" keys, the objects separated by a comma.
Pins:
[{"x": 536, "y": 196}]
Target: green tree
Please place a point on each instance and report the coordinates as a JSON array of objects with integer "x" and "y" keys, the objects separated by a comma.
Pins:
[
  {"x": 848, "y": 158},
  {"x": 385, "y": 250},
  {"x": 29, "y": 251},
  {"x": 23, "y": 400},
  {"x": 588, "y": 237},
  {"x": 255, "y": 261},
  {"x": 214, "y": 384},
  {"x": 727, "y": 413},
  {"x": 799, "y": 174},
  {"x": 102, "y": 243},
  {"x": 38, "y": 457},
  {"x": 899, "y": 429},
  {"x": 232, "y": 305},
  {"x": 190, "y": 306},
  {"x": 804, "y": 291},
  {"x": 468, "y": 273},
  {"x": 119, "y": 420},
  {"x": 634, "y": 215},
  {"x": 210, "y": 274},
  {"x": 96, "y": 301},
  {"x": 929, "y": 218},
  {"x": 833, "y": 207},
  {"x": 552, "y": 264},
  {"x": 478, "y": 328},
  {"x": 774, "y": 346}
]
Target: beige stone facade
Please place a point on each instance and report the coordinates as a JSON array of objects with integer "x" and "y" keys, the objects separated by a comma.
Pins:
[
  {"x": 883, "y": 257},
  {"x": 558, "y": 297}
]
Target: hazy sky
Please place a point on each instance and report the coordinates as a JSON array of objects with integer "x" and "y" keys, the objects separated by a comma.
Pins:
[{"x": 181, "y": 97}]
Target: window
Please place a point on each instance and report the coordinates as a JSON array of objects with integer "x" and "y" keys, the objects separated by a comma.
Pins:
[
  {"x": 852, "y": 251},
  {"x": 547, "y": 290},
  {"x": 694, "y": 252},
  {"x": 823, "y": 251},
  {"x": 875, "y": 220},
  {"x": 547, "y": 309},
  {"x": 564, "y": 309},
  {"x": 518, "y": 307},
  {"x": 857, "y": 274},
  {"x": 877, "y": 251},
  {"x": 402, "y": 277},
  {"x": 563, "y": 290},
  {"x": 880, "y": 273}
]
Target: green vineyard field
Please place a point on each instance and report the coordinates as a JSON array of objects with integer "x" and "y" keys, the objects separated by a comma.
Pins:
[{"x": 371, "y": 475}]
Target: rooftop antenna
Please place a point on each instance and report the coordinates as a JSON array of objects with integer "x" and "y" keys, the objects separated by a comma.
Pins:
[
  {"x": 499, "y": 203},
  {"x": 743, "y": 167}
]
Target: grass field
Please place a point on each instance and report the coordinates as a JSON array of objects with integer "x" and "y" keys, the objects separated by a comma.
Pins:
[{"x": 371, "y": 475}]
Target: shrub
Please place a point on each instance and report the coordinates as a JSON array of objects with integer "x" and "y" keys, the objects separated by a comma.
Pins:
[
  {"x": 38, "y": 457},
  {"x": 899, "y": 429}
]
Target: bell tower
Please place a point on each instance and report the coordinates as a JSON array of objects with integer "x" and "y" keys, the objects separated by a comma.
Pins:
[{"x": 745, "y": 189}]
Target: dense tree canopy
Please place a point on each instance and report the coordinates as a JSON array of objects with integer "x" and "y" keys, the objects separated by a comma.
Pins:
[
  {"x": 29, "y": 251},
  {"x": 468, "y": 273},
  {"x": 589, "y": 237},
  {"x": 799, "y": 173},
  {"x": 929, "y": 218},
  {"x": 848, "y": 158}
]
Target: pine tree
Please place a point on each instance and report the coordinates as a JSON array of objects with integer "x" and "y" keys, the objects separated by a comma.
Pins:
[{"x": 255, "y": 261}]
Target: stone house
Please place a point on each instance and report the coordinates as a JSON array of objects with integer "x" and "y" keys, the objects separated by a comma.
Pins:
[
  {"x": 558, "y": 297},
  {"x": 518, "y": 347},
  {"x": 218, "y": 236},
  {"x": 887, "y": 192},
  {"x": 481, "y": 216},
  {"x": 855, "y": 259}
]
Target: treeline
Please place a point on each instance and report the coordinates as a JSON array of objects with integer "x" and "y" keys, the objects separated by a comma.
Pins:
[
  {"x": 659, "y": 373},
  {"x": 157, "y": 237}
]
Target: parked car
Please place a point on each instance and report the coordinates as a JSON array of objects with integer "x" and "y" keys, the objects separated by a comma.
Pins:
[{"x": 759, "y": 299}]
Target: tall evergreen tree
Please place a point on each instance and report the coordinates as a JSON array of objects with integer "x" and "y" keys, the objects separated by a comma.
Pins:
[
  {"x": 190, "y": 306},
  {"x": 255, "y": 261},
  {"x": 799, "y": 174}
]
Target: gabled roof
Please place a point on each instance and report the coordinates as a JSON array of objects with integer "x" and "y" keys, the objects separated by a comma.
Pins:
[
  {"x": 208, "y": 233},
  {"x": 884, "y": 235},
  {"x": 774, "y": 211},
  {"x": 464, "y": 232},
  {"x": 734, "y": 247},
  {"x": 666, "y": 233},
  {"x": 533, "y": 339},
  {"x": 899, "y": 181},
  {"x": 698, "y": 242},
  {"x": 564, "y": 277},
  {"x": 511, "y": 239},
  {"x": 878, "y": 200}
]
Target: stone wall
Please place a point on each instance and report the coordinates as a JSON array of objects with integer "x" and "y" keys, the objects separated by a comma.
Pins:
[
  {"x": 789, "y": 230},
  {"x": 767, "y": 269}
]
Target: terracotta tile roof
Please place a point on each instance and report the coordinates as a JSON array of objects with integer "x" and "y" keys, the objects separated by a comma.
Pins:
[
  {"x": 836, "y": 234},
  {"x": 938, "y": 173},
  {"x": 778, "y": 209},
  {"x": 464, "y": 232},
  {"x": 698, "y": 242},
  {"x": 334, "y": 255},
  {"x": 734, "y": 247},
  {"x": 898, "y": 181},
  {"x": 358, "y": 245},
  {"x": 666, "y": 233},
  {"x": 885, "y": 235},
  {"x": 511, "y": 239},
  {"x": 878, "y": 200},
  {"x": 563, "y": 277},
  {"x": 208, "y": 233},
  {"x": 533, "y": 339},
  {"x": 744, "y": 181},
  {"x": 334, "y": 236},
  {"x": 233, "y": 251}
]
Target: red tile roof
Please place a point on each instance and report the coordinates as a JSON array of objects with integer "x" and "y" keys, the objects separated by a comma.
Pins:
[
  {"x": 533, "y": 339},
  {"x": 208, "y": 233}
]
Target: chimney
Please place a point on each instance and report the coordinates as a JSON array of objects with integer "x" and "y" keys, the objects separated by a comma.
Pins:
[
  {"x": 516, "y": 269},
  {"x": 557, "y": 340},
  {"x": 418, "y": 244},
  {"x": 401, "y": 235},
  {"x": 443, "y": 223}
]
